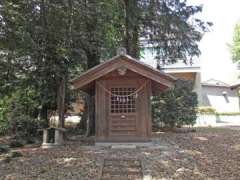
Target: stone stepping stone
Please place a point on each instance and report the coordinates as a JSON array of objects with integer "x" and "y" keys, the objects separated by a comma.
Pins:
[
  {"x": 122, "y": 146},
  {"x": 121, "y": 169}
]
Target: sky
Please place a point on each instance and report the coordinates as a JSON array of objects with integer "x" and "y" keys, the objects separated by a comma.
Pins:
[{"x": 215, "y": 59}]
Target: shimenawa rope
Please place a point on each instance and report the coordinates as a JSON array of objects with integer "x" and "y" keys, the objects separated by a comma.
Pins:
[{"x": 122, "y": 96}]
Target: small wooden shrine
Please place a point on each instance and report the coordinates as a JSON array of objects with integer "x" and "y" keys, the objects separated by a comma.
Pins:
[{"x": 122, "y": 87}]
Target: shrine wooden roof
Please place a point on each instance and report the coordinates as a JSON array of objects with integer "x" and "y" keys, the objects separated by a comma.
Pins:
[{"x": 128, "y": 62}]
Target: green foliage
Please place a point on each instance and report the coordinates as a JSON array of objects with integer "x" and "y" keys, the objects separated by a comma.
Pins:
[
  {"x": 16, "y": 143},
  {"x": 23, "y": 102},
  {"x": 206, "y": 110},
  {"x": 228, "y": 113},
  {"x": 172, "y": 29},
  {"x": 4, "y": 123},
  {"x": 30, "y": 140},
  {"x": 235, "y": 48},
  {"x": 7, "y": 159},
  {"x": 19, "y": 113},
  {"x": 15, "y": 154},
  {"x": 177, "y": 106},
  {"x": 210, "y": 110},
  {"x": 4, "y": 149},
  {"x": 43, "y": 42},
  {"x": 26, "y": 126},
  {"x": 12, "y": 155}
]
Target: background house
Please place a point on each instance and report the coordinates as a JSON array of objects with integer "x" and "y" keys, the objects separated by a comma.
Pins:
[
  {"x": 220, "y": 96},
  {"x": 187, "y": 72}
]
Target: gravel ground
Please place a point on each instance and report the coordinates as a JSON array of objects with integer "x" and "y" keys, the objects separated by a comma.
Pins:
[
  {"x": 209, "y": 153},
  {"x": 214, "y": 151}
]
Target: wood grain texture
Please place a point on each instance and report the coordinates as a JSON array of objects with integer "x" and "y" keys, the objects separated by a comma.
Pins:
[{"x": 135, "y": 126}]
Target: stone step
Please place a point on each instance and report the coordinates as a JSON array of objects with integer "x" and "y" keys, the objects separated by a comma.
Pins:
[
  {"x": 122, "y": 168},
  {"x": 123, "y": 146}
]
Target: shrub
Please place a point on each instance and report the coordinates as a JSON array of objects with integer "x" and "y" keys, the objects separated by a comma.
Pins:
[
  {"x": 206, "y": 110},
  {"x": 18, "y": 114},
  {"x": 176, "y": 106},
  {"x": 15, "y": 154},
  {"x": 212, "y": 111},
  {"x": 7, "y": 159},
  {"x": 26, "y": 126},
  {"x": 227, "y": 113},
  {"x": 4, "y": 149},
  {"x": 30, "y": 140},
  {"x": 4, "y": 123},
  {"x": 4, "y": 127},
  {"x": 16, "y": 143},
  {"x": 10, "y": 157}
]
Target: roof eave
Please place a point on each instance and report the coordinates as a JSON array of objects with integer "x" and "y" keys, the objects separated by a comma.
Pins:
[{"x": 130, "y": 60}]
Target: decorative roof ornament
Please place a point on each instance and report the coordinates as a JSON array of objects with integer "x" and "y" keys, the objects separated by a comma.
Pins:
[
  {"x": 121, "y": 51},
  {"x": 122, "y": 70}
]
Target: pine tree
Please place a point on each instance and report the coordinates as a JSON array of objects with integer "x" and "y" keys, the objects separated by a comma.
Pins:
[{"x": 43, "y": 43}]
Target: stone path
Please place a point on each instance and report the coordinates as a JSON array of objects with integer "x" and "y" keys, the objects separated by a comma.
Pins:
[
  {"x": 74, "y": 162},
  {"x": 121, "y": 169}
]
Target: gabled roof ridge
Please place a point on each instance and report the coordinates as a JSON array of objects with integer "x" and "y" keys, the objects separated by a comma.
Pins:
[
  {"x": 131, "y": 64},
  {"x": 128, "y": 57},
  {"x": 221, "y": 83},
  {"x": 235, "y": 84}
]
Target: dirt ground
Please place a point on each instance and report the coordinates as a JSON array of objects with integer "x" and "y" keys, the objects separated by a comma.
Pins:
[
  {"x": 208, "y": 153},
  {"x": 214, "y": 151}
]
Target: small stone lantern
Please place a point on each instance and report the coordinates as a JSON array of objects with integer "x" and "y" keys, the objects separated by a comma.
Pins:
[{"x": 52, "y": 137}]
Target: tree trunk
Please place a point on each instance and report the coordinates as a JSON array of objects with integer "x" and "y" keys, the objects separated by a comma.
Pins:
[
  {"x": 82, "y": 125},
  {"x": 131, "y": 39},
  {"x": 90, "y": 129},
  {"x": 87, "y": 122},
  {"x": 44, "y": 114},
  {"x": 127, "y": 28},
  {"x": 88, "y": 116},
  {"x": 61, "y": 101}
]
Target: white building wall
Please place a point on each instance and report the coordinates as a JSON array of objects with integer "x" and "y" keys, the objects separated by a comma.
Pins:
[{"x": 214, "y": 96}]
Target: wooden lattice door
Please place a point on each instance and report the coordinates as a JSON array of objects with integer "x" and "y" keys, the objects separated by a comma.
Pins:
[{"x": 122, "y": 112}]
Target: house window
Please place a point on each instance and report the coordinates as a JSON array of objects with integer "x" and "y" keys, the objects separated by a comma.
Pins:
[{"x": 123, "y": 100}]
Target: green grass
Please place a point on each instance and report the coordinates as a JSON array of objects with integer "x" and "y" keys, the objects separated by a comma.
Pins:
[{"x": 214, "y": 130}]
